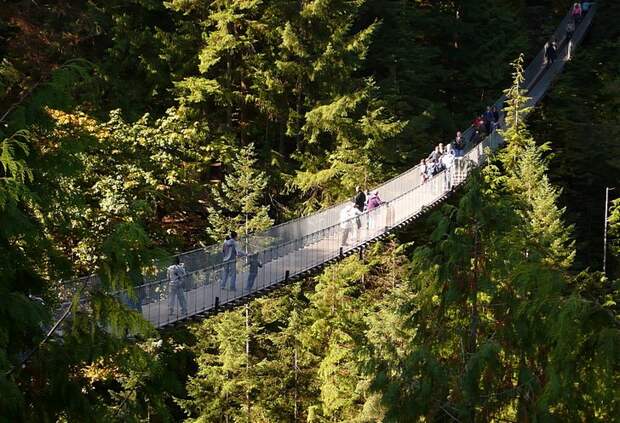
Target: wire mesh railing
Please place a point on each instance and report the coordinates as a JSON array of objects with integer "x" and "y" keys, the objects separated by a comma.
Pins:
[{"x": 292, "y": 248}]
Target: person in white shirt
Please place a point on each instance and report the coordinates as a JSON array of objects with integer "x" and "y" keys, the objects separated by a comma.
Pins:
[
  {"x": 176, "y": 278},
  {"x": 231, "y": 251},
  {"x": 347, "y": 221},
  {"x": 448, "y": 160}
]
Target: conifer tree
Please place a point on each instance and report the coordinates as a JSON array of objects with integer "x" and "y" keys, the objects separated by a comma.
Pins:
[
  {"x": 336, "y": 111},
  {"x": 218, "y": 390},
  {"x": 22, "y": 259},
  {"x": 526, "y": 177},
  {"x": 238, "y": 200}
]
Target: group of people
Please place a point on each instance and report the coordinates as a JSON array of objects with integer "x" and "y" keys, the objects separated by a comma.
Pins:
[
  {"x": 350, "y": 221},
  {"x": 442, "y": 157},
  {"x": 231, "y": 250},
  {"x": 177, "y": 275},
  {"x": 578, "y": 11}
]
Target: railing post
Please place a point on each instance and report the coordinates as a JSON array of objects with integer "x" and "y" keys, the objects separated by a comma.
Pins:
[
  {"x": 286, "y": 276},
  {"x": 341, "y": 253},
  {"x": 217, "y": 303},
  {"x": 361, "y": 253}
]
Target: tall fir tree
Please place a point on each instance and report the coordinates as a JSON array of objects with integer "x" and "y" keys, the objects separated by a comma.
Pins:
[
  {"x": 526, "y": 177},
  {"x": 238, "y": 202}
]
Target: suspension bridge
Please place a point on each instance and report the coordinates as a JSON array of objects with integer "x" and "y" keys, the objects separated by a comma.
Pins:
[{"x": 296, "y": 249}]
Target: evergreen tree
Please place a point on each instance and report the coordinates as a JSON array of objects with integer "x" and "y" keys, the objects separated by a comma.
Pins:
[
  {"x": 23, "y": 259},
  {"x": 526, "y": 177},
  {"x": 237, "y": 202}
]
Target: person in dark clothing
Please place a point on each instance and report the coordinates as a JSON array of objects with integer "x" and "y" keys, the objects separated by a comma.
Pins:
[
  {"x": 488, "y": 120},
  {"x": 496, "y": 120},
  {"x": 360, "y": 199},
  {"x": 459, "y": 144},
  {"x": 550, "y": 52},
  {"x": 253, "y": 265},
  {"x": 360, "y": 203}
]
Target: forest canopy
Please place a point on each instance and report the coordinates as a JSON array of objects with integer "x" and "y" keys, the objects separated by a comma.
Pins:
[{"x": 131, "y": 130}]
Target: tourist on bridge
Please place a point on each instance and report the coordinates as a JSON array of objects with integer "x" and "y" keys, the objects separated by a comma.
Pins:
[
  {"x": 550, "y": 52},
  {"x": 577, "y": 13},
  {"x": 496, "y": 118},
  {"x": 437, "y": 165},
  {"x": 360, "y": 199},
  {"x": 459, "y": 144},
  {"x": 360, "y": 204},
  {"x": 348, "y": 214},
  {"x": 476, "y": 134},
  {"x": 585, "y": 6},
  {"x": 447, "y": 161},
  {"x": 489, "y": 120},
  {"x": 570, "y": 31},
  {"x": 436, "y": 154},
  {"x": 176, "y": 279},
  {"x": 253, "y": 265},
  {"x": 373, "y": 203},
  {"x": 231, "y": 251},
  {"x": 423, "y": 171}
]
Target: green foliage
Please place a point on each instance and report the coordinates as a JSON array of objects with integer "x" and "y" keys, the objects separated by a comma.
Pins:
[
  {"x": 614, "y": 227},
  {"x": 488, "y": 326},
  {"x": 526, "y": 177},
  {"x": 300, "y": 102},
  {"x": 302, "y": 360},
  {"x": 24, "y": 255},
  {"x": 237, "y": 203}
]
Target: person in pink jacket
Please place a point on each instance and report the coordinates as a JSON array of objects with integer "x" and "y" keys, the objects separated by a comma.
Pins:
[
  {"x": 577, "y": 13},
  {"x": 374, "y": 202}
]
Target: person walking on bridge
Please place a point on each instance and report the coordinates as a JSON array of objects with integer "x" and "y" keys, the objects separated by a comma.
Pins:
[
  {"x": 496, "y": 118},
  {"x": 348, "y": 214},
  {"x": 231, "y": 251},
  {"x": 176, "y": 280},
  {"x": 550, "y": 53},
  {"x": 577, "y": 13},
  {"x": 448, "y": 160},
  {"x": 253, "y": 266},
  {"x": 374, "y": 202},
  {"x": 570, "y": 31},
  {"x": 489, "y": 118},
  {"x": 360, "y": 199},
  {"x": 459, "y": 144},
  {"x": 360, "y": 204},
  {"x": 423, "y": 171}
]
